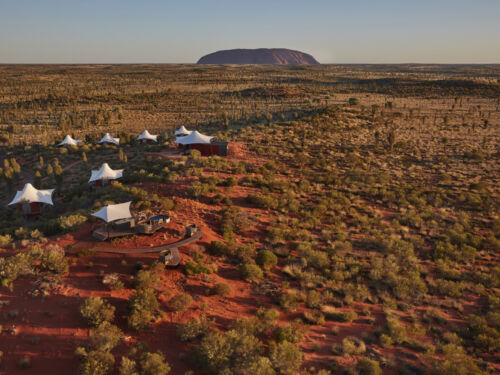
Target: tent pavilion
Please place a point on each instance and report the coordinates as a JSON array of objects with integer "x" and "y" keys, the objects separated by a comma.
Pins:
[
  {"x": 31, "y": 201},
  {"x": 109, "y": 140},
  {"x": 182, "y": 132},
  {"x": 203, "y": 143},
  {"x": 102, "y": 176},
  {"x": 146, "y": 137},
  {"x": 114, "y": 212},
  {"x": 69, "y": 141}
]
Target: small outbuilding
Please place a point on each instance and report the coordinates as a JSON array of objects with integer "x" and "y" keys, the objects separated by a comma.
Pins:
[
  {"x": 31, "y": 201},
  {"x": 109, "y": 140},
  {"x": 182, "y": 132},
  {"x": 146, "y": 137},
  {"x": 69, "y": 141},
  {"x": 203, "y": 143},
  {"x": 102, "y": 176}
]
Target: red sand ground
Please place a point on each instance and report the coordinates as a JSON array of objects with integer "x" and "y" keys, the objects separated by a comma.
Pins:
[{"x": 48, "y": 329}]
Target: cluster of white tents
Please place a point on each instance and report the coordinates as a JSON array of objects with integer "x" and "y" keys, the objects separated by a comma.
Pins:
[
  {"x": 30, "y": 200},
  {"x": 107, "y": 139},
  {"x": 183, "y": 137}
]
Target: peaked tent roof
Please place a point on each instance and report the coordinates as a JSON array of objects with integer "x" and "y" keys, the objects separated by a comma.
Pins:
[
  {"x": 182, "y": 131},
  {"x": 148, "y": 136},
  {"x": 31, "y": 194},
  {"x": 109, "y": 139},
  {"x": 105, "y": 173},
  {"x": 114, "y": 212},
  {"x": 68, "y": 140},
  {"x": 194, "y": 137}
]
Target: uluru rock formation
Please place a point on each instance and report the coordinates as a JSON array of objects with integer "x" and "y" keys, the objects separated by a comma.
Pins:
[{"x": 269, "y": 56}]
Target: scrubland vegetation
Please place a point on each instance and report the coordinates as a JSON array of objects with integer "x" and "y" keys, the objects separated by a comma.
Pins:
[{"x": 354, "y": 228}]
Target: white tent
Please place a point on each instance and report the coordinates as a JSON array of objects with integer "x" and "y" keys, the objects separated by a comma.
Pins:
[
  {"x": 146, "y": 136},
  {"x": 114, "y": 212},
  {"x": 193, "y": 138},
  {"x": 69, "y": 141},
  {"x": 109, "y": 139},
  {"x": 105, "y": 173},
  {"x": 31, "y": 195},
  {"x": 182, "y": 131}
]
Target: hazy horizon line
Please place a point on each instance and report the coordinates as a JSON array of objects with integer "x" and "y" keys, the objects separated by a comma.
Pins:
[{"x": 195, "y": 63}]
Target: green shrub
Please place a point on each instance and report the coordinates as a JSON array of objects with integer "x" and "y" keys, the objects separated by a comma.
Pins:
[
  {"x": 144, "y": 307},
  {"x": 96, "y": 311},
  {"x": 153, "y": 364},
  {"x": 180, "y": 302},
  {"x": 352, "y": 346},
  {"x": 5, "y": 240},
  {"x": 286, "y": 358},
  {"x": 314, "y": 317},
  {"x": 71, "y": 222},
  {"x": 366, "y": 366},
  {"x": 53, "y": 260},
  {"x": 193, "y": 329},
  {"x": 456, "y": 364},
  {"x": 251, "y": 272},
  {"x": 288, "y": 333},
  {"x": 105, "y": 337},
  {"x": 290, "y": 301},
  {"x": 267, "y": 318},
  {"x": 128, "y": 367},
  {"x": 314, "y": 299},
  {"x": 266, "y": 259},
  {"x": 97, "y": 363},
  {"x": 221, "y": 289}
]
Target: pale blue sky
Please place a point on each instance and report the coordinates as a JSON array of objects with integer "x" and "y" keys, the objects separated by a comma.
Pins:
[{"x": 348, "y": 31}]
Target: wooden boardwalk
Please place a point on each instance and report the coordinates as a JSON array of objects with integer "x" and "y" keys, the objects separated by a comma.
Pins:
[{"x": 172, "y": 247}]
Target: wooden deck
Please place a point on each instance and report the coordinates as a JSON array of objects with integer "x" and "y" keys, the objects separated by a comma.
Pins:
[{"x": 172, "y": 247}]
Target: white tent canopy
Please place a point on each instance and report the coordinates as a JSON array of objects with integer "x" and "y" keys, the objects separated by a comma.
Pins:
[
  {"x": 109, "y": 139},
  {"x": 30, "y": 194},
  {"x": 193, "y": 138},
  {"x": 147, "y": 136},
  {"x": 69, "y": 141},
  {"x": 182, "y": 131},
  {"x": 114, "y": 212},
  {"x": 105, "y": 173}
]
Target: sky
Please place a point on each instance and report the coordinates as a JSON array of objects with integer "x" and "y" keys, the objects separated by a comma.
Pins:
[{"x": 167, "y": 31}]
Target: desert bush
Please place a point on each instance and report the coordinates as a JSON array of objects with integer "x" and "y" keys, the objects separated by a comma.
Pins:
[
  {"x": 456, "y": 364},
  {"x": 266, "y": 259},
  {"x": 219, "y": 248},
  {"x": 96, "y": 311},
  {"x": 267, "y": 318},
  {"x": 290, "y": 333},
  {"x": 71, "y": 222},
  {"x": 143, "y": 307},
  {"x": 128, "y": 367},
  {"x": 146, "y": 278},
  {"x": 153, "y": 364},
  {"x": 96, "y": 363},
  {"x": 352, "y": 346},
  {"x": 314, "y": 299},
  {"x": 366, "y": 366},
  {"x": 105, "y": 337},
  {"x": 286, "y": 358},
  {"x": 180, "y": 302},
  {"x": 193, "y": 328},
  {"x": 53, "y": 260},
  {"x": 221, "y": 289},
  {"x": 5, "y": 240},
  {"x": 263, "y": 201},
  {"x": 314, "y": 317},
  {"x": 251, "y": 272},
  {"x": 289, "y": 301}
]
